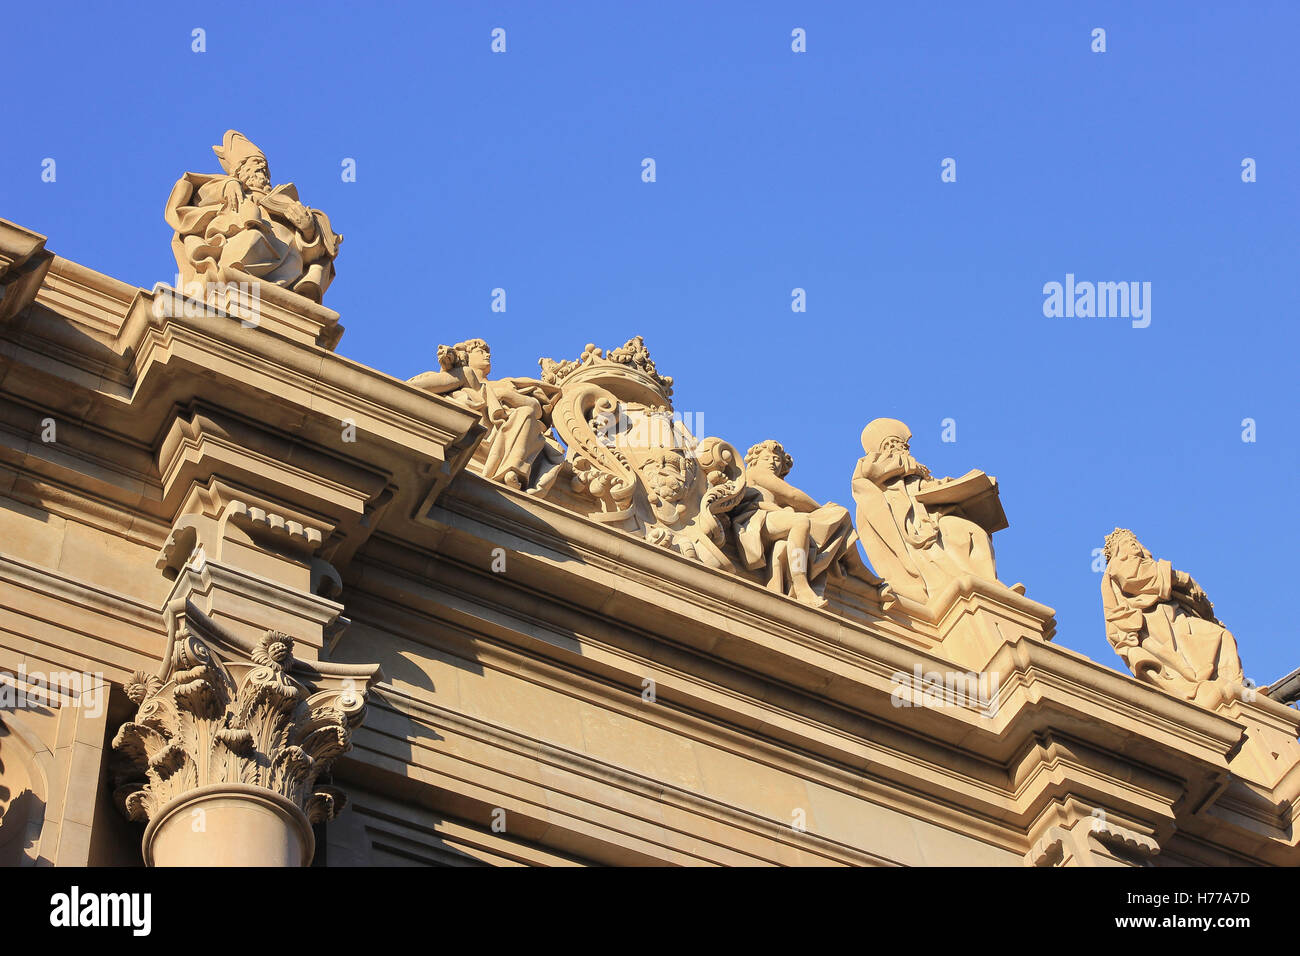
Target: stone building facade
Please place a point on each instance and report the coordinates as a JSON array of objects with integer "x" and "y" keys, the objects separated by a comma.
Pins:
[{"x": 262, "y": 605}]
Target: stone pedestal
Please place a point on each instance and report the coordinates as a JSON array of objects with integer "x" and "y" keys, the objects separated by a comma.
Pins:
[{"x": 973, "y": 618}]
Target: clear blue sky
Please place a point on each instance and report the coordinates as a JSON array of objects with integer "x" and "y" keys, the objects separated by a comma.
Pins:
[{"x": 775, "y": 170}]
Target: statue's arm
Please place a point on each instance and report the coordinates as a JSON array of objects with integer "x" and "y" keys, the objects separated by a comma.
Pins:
[
  {"x": 439, "y": 382},
  {"x": 781, "y": 491},
  {"x": 879, "y": 469}
]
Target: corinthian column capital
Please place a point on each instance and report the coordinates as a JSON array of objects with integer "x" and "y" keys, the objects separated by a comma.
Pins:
[{"x": 239, "y": 722}]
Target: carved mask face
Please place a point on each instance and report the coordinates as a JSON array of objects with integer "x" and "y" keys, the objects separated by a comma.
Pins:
[
  {"x": 254, "y": 174},
  {"x": 665, "y": 476}
]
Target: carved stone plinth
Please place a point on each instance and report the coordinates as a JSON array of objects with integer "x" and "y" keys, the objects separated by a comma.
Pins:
[
  {"x": 230, "y": 744},
  {"x": 973, "y": 617}
]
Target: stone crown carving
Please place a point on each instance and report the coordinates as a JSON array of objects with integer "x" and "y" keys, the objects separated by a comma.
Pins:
[{"x": 628, "y": 368}]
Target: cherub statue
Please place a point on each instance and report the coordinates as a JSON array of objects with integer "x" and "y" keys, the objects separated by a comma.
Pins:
[
  {"x": 782, "y": 529},
  {"x": 515, "y": 410},
  {"x": 1160, "y": 621},
  {"x": 235, "y": 225}
]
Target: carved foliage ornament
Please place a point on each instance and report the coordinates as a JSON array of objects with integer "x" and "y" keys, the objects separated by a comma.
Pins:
[{"x": 225, "y": 710}]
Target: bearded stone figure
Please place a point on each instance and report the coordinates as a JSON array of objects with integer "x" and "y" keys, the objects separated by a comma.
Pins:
[
  {"x": 919, "y": 533},
  {"x": 782, "y": 529},
  {"x": 236, "y": 225},
  {"x": 516, "y": 412},
  {"x": 1160, "y": 621}
]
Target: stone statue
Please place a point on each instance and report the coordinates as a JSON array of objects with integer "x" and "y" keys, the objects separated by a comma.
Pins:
[
  {"x": 780, "y": 528},
  {"x": 919, "y": 533},
  {"x": 632, "y": 459},
  {"x": 516, "y": 412},
  {"x": 236, "y": 226},
  {"x": 1161, "y": 623}
]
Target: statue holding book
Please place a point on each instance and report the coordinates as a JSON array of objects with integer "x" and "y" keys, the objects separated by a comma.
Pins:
[{"x": 921, "y": 533}]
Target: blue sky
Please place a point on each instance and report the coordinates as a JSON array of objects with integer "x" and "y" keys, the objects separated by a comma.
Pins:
[{"x": 775, "y": 170}]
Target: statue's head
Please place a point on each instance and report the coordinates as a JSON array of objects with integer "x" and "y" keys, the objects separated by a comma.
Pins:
[
  {"x": 886, "y": 436},
  {"x": 769, "y": 455},
  {"x": 472, "y": 353},
  {"x": 1123, "y": 543},
  {"x": 254, "y": 174},
  {"x": 240, "y": 158}
]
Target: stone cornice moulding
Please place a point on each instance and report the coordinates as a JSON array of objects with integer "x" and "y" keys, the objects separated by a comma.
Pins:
[
  {"x": 1075, "y": 832},
  {"x": 946, "y": 778},
  {"x": 281, "y": 368},
  {"x": 29, "y": 481},
  {"x": 1066, "y": 690},
  {"x": 330, "y": 385},
  {"x": 334, "y": 474},
  {"x": 916, "y": 776},
  {"x": 473, "y": 505},
  {"x": 23, "y": 266},
  {"x": 530, "y": 518},
  {"x": 70, "y": 590}
]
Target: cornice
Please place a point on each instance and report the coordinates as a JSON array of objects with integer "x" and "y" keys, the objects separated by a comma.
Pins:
[
  {"x": 909, "y": 773},
  {"x": 23, "y": 266},
  {"x": 721, "y": 609}
]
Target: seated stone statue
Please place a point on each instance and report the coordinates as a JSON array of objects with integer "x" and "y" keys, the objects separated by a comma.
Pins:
[
  {"x": 1161, "y": 623},
  {"x": 780, "y": 528},
  {"x": 515, "y": 410},
  {"x": 232, "y": 226},
  {"x": 916, "y": 535}
]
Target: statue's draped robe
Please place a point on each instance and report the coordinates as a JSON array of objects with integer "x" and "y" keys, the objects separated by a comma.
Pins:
[
  {"x": 903, "y": 539},
  {"x": 831, "y": 533},
  {"x": 223, "y": 226},
  {"x": 1143, "y": 617},
  {"x": 513, "y": 410}
]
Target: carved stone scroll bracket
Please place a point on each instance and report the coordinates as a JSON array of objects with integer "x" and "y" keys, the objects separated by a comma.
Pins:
[
  {"x": 232, "y": 742},
  {"x": 600, "y": 470},
  {"x": 1073, "y": 834},
  {"x": 257, "y": 564},
  {"x": 238, "y": 527}
]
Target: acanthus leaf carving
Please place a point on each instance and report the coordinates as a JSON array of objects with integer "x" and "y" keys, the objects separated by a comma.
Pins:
[{"x": 225, "y": 710}]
